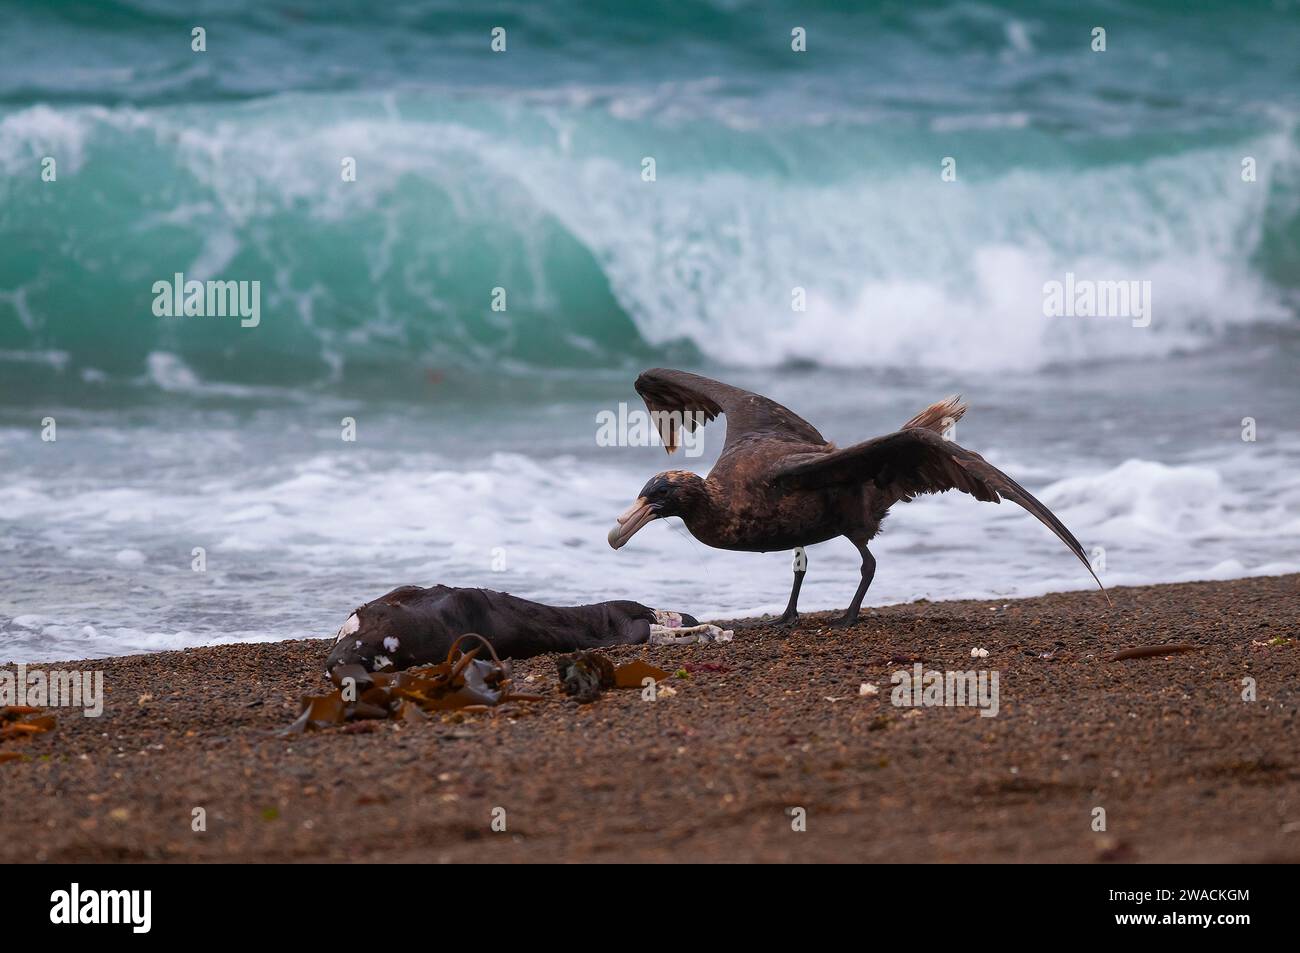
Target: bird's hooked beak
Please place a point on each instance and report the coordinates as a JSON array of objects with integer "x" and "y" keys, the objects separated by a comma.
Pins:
[{"x": 637, "y": 516}]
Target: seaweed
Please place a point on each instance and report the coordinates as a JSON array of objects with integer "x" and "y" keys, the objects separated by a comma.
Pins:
[
  {"x": 462, "y": 681},
  {"x": 22, "y": 721},
  {"x": 585, "y": 675},
  {"x": 634, "y": 674},
  {"x": 1152, "y": 651}
]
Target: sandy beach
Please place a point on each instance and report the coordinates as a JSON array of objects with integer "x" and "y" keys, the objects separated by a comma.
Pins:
[{"x": 1184, "y": 768}]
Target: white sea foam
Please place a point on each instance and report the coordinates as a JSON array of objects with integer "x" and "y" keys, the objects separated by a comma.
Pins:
[{"x": 302, "y": 543}]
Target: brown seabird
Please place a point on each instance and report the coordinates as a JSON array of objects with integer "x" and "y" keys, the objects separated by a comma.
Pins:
[{"x": 779, "y": 484}]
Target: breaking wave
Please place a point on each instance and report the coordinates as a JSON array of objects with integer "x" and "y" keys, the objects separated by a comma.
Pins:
[{"x": 773, "y": 187}]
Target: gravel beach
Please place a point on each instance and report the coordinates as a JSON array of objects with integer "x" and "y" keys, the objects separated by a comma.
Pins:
[{"x": 1184, "y": 767}]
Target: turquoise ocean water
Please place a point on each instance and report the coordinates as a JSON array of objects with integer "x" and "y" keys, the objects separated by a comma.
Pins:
[{"x": 476, "y": 460}]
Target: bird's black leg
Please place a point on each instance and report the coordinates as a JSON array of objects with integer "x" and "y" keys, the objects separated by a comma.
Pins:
[
  {"x": 868, "y": 573},
  {"x": 792, "y": 607}
]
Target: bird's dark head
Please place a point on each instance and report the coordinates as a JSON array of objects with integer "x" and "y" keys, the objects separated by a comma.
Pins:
[{"x": 671, "y": 493}]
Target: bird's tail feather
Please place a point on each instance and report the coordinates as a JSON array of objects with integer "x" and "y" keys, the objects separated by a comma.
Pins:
[{"x": 939, "y": 416}]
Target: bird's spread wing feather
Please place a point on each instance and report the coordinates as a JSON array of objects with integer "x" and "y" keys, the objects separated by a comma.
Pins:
[
  {"x": 679, "y": 399},
  {"x": 913, "y": 461}
]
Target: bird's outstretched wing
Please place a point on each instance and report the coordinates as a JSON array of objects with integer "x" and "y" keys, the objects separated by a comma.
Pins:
[
  {"x": 679, "y": 399},
  {"x": 910, "y": 462}
]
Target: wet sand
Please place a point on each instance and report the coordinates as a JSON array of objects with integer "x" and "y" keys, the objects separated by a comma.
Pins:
[{"x": 1183, "y": 767}]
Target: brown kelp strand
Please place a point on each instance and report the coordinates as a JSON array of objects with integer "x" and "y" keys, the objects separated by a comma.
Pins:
[
  {"x": 585, "y": 675},
  {"x": 22, "y": 721},
  {"x": 1148, "y": 651},
  {"x": 462, "y": 681}
]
